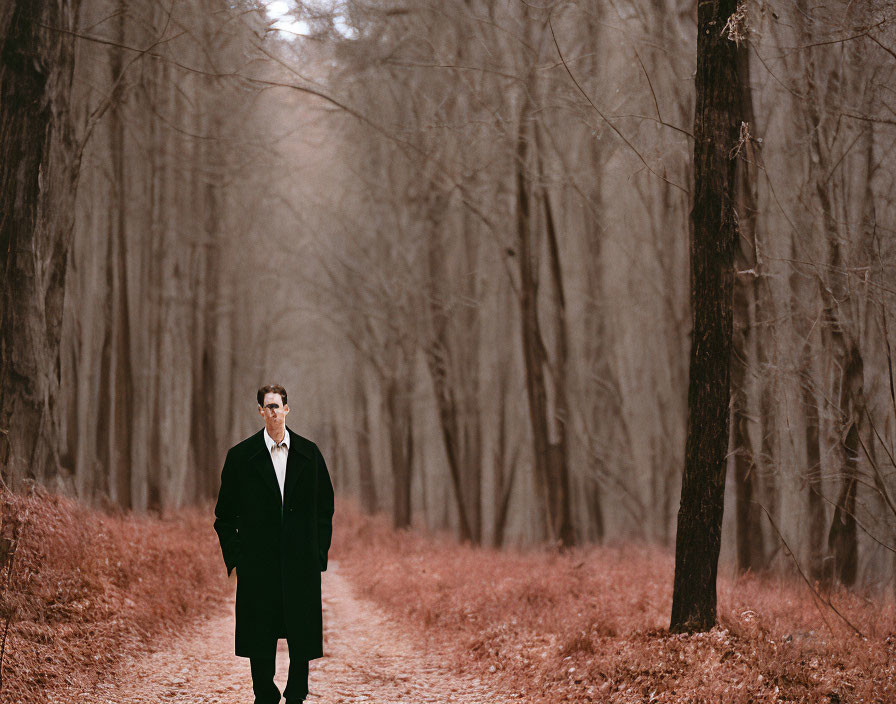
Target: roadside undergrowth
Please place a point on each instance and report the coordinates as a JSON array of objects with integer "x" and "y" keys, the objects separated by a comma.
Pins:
[
  {"x": 591, "y": 624},
  {"x": 89, "y": 587}
]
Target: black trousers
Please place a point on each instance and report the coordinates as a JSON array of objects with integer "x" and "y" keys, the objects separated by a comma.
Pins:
[{"x": 263, "y": 686}]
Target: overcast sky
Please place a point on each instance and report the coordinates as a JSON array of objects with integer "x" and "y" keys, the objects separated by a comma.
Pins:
[{"x": 279, "y": 11}]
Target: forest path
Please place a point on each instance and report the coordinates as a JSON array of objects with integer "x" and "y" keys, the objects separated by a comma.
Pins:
[{"x": 367, "y": 658}]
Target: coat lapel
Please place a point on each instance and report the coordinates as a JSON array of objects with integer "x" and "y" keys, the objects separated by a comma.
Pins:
[
  {"x": 264, "y": 465},
  {"x": 294, "y": 463}
]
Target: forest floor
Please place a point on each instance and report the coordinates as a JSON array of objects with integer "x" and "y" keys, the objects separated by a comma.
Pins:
[
  {"x": 112, "y": 607},
  {"x": 590, "y": 624},
  {"x": 367, "y": 658}
]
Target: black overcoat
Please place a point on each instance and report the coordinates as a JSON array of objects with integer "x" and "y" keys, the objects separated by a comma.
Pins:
[{"x": 278, "y": 550}]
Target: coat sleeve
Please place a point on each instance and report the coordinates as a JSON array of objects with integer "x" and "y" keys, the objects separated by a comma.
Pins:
[
  {"x": 227, "y": 514},
  {"x": 325, "y": 509}
]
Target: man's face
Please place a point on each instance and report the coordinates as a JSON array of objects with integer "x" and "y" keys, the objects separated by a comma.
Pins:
[{"x": 274, "y": 412}]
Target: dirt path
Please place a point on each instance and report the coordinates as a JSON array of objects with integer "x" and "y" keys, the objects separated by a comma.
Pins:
[{"x": 367, "y": 658}]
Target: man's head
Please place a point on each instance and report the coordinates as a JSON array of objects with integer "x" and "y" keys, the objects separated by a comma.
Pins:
[{"x": 272, "y": 406}]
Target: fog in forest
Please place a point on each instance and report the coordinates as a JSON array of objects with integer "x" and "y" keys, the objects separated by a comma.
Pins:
[{"x": 459, "y": 233}]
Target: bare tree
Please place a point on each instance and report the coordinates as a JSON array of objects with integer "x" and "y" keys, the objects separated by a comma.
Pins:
[{"x": 716, "y": 119}]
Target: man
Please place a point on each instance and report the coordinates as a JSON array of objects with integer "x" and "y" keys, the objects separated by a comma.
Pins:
[{"x": 274, "y": 522}]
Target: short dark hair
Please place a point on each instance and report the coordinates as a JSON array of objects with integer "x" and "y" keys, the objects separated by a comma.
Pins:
[{"x": 271, "y": 389}]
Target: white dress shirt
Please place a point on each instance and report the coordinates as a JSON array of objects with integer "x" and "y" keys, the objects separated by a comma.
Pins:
[{"x": 279, "y": 454}]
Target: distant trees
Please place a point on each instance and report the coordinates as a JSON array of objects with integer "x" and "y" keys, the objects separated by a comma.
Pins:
[
  {"x": 459, "y": 232},
  {"x": 845, "y": 213},
  {"x": 502, "y": 159},
  {"x": 126, "y": 149},
  {"x": 563, "y": 150},
  {"x": 150, "y": 323},
  {"x": 453, "y": 193}
]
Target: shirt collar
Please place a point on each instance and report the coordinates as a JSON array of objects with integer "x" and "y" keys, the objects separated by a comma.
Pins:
[{"x": 269, "y": 441}]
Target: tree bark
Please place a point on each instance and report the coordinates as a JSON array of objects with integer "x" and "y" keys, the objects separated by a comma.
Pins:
[
  {"x": 716, "y": 123},
  {"x": 38, "y": 175}
]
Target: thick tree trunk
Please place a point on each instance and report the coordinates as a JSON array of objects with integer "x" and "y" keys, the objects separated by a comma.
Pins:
[
  {"x": 716, "y": 123},
  {"x": 38, "y": 175}
]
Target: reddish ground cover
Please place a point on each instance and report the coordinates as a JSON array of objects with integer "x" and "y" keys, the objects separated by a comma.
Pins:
[
  {"x": 592, "y": 625},
  {"x": 89, "y": 588}
]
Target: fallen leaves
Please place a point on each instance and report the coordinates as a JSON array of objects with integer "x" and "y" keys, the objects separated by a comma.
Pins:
[
  {"x": 590, "y": 625},
  {"x": 91, "y": 587}
]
